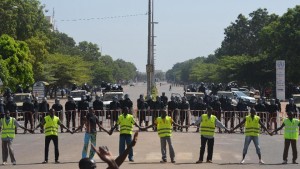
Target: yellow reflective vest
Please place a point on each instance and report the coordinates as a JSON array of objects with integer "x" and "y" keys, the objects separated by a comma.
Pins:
[
  {"x": 291, "y": 130},
  {"x": 208, "y": 125},
  {"x": 164, "y": 126},
  {"x": 8, "y": 130},
  {"x": 51, "y": 126},
  {"x": 252, "y": 126},
  {"x": 126, "y": 124}
]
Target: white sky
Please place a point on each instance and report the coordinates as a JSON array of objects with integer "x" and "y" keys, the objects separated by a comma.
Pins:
[{"x": 187, "y": 28}]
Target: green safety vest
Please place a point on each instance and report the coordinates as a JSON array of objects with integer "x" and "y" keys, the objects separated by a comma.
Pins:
[
  {"x": 164, "y": 126},
  {"x": 252, "y": 126},
  {"x": 291, "y": 129},
  {"x": 208, "y": 125},
  {"x": 51, "y": 126},
  {"x": 126, "y": 125},
  {"x": 8, "y": 130}
]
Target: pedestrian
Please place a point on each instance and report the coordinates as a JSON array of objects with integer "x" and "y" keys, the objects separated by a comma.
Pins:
[
  {"x": 291, "y": 133},
  {"x": 51, "y": 123},
  {"x": 208, "y": 123},
  {"x": 7, "y": 126},
  {"x": 165, "y": 125},
  {"x": 252, "y": 129},
  {"x": 90, "y": 121},
  {"x": 126, "y": 122}
]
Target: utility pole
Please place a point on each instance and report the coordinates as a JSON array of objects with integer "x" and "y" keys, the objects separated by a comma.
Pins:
[
  {"x": 150, "y": 60},
  {"x": 149, "y": 66}
]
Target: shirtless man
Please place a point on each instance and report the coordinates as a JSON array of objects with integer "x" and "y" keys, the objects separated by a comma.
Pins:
[{"x": 90, "y": 121}]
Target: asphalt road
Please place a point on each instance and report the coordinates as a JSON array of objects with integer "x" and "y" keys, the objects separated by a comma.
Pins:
[{"x": 29, "y": 148}]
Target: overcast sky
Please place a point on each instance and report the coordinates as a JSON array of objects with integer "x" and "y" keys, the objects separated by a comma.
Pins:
[{"x": 186, "y": 29}]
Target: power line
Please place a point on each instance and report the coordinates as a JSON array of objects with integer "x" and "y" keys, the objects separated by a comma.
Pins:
[{"x": 103, "y": 18}]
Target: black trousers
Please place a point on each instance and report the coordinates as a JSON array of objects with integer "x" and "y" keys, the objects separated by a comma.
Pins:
[
  {"x": 210, "y": 147},
  {"x": 287, "y": 143},
  {"x": 55, "y": 142}
]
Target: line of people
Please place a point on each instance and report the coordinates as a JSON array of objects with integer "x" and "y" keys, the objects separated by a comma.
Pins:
[{"x": 164, "y": 124}]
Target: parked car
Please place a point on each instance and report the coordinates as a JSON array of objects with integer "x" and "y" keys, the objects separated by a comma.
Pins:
[
  {"x": 228, "y": 94},
  {"x": 108, "y": 97},
  {"x": 76, "y": 94},
  {"x": 247, "y": 99}
]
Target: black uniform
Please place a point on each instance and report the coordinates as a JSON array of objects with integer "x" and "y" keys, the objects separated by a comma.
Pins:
[
  {"x": 2, "y": 110},
  {"x": 229, "y": 113},
  {"x": 28, "y": 109},
  {"x": 164, "y": 99},
  {"x": 83, "y": 107},
  {"x": 127, "y": 103},
  {"x": 70, "y": 107},
  {"x": 114, "y": 108},
  {"x": 142, "y": 108},
  {"x": 11, "y": 106},
  {"x": 58, "y": 108},
  {"x": 273, "y": 108},
  {"x": 184, "y": 114},
  {"x": 241, "y": 108},
  {"x": 98, "y": 107}
]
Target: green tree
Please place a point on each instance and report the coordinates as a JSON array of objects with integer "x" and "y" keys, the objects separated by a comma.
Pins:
[
  {"x": 15, "y": 62},
  {"x": 89, "y": 51},
  {"x": 64, "y": 70},
  {"x": 22, "y": 19}
]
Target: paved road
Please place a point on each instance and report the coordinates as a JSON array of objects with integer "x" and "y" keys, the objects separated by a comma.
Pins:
[{"x": 227, "y": 151}]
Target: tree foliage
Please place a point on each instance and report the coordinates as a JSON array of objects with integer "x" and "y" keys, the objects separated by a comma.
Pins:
[{"x": 15, "y": 60}]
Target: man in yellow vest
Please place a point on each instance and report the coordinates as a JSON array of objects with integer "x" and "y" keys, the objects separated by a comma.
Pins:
[
  {"x": 252, "y": 130},
  {"x": 51, "y": 123},
  {"x": 7, "y": 126},
  {"x": 126, "y": 122},
  {"x": 207, "y": 131},
  {"x": 291, "y": 133},
  {"x": 164, "y": 125}
]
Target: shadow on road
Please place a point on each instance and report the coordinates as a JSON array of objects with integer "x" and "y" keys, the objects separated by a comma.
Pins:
[{"x": 248, "y": 164}]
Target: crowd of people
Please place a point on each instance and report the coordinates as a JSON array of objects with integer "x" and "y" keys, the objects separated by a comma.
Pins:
[{"x": 161, "y": 115}]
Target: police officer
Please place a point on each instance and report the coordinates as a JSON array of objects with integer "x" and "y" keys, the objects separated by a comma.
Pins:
[
  {"x": 28, "y": 109},
  {"x": 291, "y": 107},
  {"x": 172, "y": 110},
  {"x": 11, "y": 106},
  {"x": 36, "y": 105},
  {"x": 241, "y": 108},
  {"x": 291, "y": 134},
  {"x": 261, "y": 110},
  {"x": 43, "y": 110},
  {"x": 7, "y": 94},
  {"x": 200, "y": 109},
  {"x": 70, "y": 107},
  {"x": 184, "y": 107},
  {"x": 164, "y": 99},
  {"x": 2, "y": 108},
  {"x": 58, "y": 108},
  {"x": 115, "y": 108},
  {"x": 127, "y": 103},
  {"x": 19, "y": 89},
  {"x": 158, "y": 105},
  {"x": 83, "y": 107},
  {"x": 273, "y": 110},
  {"x": 142, "y": 106},
  {"x": 216, "y": 106},
  {"x": 151, "y": 108},
  {"x": 229, "y": 112},
  {"x": 193, "y": 102},
  {"x": 202, "y": 88},
  {"x": 98, "y": 108}
]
